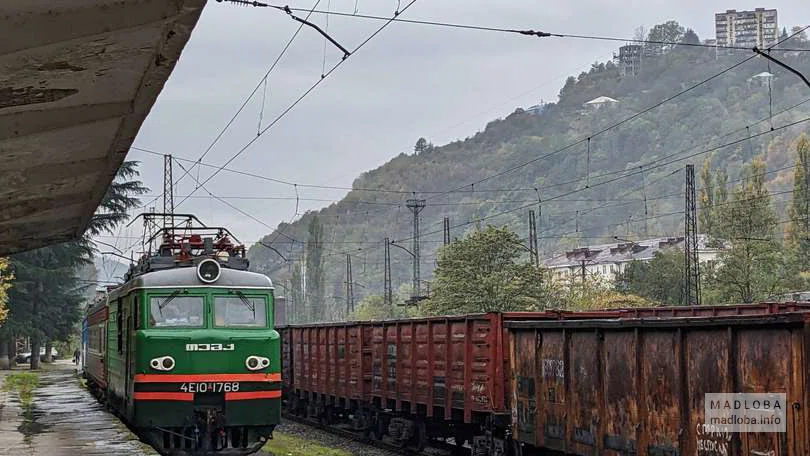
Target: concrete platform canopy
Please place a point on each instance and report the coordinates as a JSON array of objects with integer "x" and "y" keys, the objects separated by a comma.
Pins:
[{"x": 77, "y": 79}]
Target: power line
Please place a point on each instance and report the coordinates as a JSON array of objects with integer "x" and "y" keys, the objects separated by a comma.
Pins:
[
  {"x": 253, "y": 92},
  {"x": 524, "y": 32},
  {"x": 623, "y": 121},
  {"x": 562, "y": 195},
  {"x": 301, "y": 97},
  {"x": 463, "y": 189}
]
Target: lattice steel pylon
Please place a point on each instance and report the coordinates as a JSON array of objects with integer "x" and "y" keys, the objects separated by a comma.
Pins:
[
  {"x": 416, "y": 206},
  {"x": 168, "y": 191},
  {"x": 691, "y": 295}
]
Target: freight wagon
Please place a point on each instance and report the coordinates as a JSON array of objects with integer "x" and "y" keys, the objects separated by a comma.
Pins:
[
  {"x": 411, "y": 381},
  {"x": 637, "y": 386}
]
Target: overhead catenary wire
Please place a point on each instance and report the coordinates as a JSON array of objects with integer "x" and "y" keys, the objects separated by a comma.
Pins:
[
  {"x": 463, "y": 190},
  {"x": 524, "y": 32},
  {"x": 625, "y": 120},
  {"x": 598, "y": 184},
  {"x": 263, "y": 80},
  {"x": 301, "y": 98}
]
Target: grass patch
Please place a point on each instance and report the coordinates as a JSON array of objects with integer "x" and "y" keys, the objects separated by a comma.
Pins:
[
  {"x": 22, "y": 383},
  {"x": 288, "y": 445}
]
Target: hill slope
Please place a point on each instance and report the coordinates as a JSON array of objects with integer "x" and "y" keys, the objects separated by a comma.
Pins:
[{"x": 592, "y": 190}]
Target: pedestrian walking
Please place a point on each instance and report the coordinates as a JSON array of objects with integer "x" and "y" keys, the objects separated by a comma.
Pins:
[{"x": 76, "y": 356}]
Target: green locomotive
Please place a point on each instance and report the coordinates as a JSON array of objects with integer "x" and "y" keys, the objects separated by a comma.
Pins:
[{"x": 185, "y": 351}]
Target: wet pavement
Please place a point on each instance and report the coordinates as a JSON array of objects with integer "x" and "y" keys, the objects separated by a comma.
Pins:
[{"x": 64, "y": 420}]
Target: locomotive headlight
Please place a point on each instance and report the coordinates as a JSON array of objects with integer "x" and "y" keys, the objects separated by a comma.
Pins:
[
  {"x": 254, "y": 362},
  {"x": 163, "y": 363},
  {"x": 208, "y": 270}
]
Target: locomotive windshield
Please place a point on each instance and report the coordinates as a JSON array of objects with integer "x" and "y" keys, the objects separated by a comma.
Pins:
[
  {"x": 240, "y": 310},
  {"x": 176, "y": 312}
]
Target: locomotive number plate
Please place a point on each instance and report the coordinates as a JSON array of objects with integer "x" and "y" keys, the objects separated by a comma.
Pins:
[{"x": 209, "y": 387}]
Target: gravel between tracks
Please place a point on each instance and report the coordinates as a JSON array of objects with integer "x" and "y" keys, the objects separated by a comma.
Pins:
[{"x": 324, "y": 438}]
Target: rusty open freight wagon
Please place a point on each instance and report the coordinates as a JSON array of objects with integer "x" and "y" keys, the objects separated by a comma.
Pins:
[
  {"x": 408, "y": 380},
  {"x": 636, "y": 386}
]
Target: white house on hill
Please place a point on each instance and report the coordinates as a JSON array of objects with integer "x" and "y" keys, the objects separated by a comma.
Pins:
[
  {"x": 599, "y": 102},
  {"x": 607, "y": 260}
]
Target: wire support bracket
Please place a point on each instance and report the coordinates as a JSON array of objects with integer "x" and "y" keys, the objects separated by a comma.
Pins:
[
  {"x": 346, "y": 52},
  {"x": 781, "y": 64}
]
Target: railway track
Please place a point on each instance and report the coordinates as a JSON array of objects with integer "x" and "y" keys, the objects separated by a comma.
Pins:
[{"x": 435, "y": 449}]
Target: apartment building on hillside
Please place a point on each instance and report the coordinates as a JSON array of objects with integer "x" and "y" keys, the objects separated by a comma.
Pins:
[{"x": 746, "y": 28}]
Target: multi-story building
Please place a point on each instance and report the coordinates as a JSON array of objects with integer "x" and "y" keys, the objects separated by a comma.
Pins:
[
  {"x": 746, "y": 28},
  {"x": 629, "y": 59},
  {"x": 607, "y": 260}
]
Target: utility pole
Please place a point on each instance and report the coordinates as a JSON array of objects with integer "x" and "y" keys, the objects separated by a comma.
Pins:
[
  {"x": 305, "y": 304},
  {"x": 416, "y": 206},
  {"x": 446, "y": 229},
  {"x": 533, "y": 249},
  {"x": 389, "y": 294},
  {"x": 805, "y": 238},
  {"x": 349, "y": 286},
  {"x": 644, "y": 195},
  {"x": 168, "y": 191},
  {"x": 691, "y": 271},
  {"x": 582, "y": 271}
]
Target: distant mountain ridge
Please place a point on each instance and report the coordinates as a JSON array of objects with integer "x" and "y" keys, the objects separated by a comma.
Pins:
[{"x": 585, "y": 193}]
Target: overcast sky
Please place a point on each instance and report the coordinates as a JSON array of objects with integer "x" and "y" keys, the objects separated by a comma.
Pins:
[{"x": 409, "y": 81}]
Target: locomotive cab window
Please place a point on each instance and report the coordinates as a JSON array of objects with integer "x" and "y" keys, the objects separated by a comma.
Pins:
[
  {"x": 176, "y": 311},
  {"x": 240, "y": 311}
]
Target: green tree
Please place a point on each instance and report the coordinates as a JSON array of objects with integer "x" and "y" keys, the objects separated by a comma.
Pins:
[
  {"x": 659, "y": 280},
  {"x": 668, "y": 32},
  {"x": 798, "y": 231},
  {"x": 706, "y": 199},
  {"x": 753, "y": 268},
  {"x": 721, "y": 184},
  {"x": 46, "y": 300},
  {"x": 314, "y": 270},
  {"x": 595, "y": 294},
  {"x": 690, "y": 37},
  {"x": 374, "y": 308},
  {"x": 298, "y": 295},
  {"x": 6, "y": 279},
  {"x": 483, "y": 272},
  {"x": 422, "y": 145}
]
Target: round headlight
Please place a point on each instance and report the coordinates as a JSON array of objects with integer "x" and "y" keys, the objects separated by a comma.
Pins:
[
  {"x": 163, "y": 363},
  {"x": 255, "y": 363},
  {"x": 208, "y": 270}
]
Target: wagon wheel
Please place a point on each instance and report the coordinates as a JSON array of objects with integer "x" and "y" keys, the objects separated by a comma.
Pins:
[
  {"x": 459, "y": 440},
  {"x": 419, "y": 441},
  {"x": 377, "y": 428},
  {"x": 517, "y": 448}
]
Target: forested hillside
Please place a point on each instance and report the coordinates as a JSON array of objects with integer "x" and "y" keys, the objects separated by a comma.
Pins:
[{"x": 587, "y": 172}]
